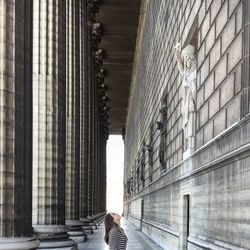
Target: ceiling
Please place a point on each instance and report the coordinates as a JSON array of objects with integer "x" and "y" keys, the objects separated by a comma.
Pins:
[{"x": 120, "y": 20}]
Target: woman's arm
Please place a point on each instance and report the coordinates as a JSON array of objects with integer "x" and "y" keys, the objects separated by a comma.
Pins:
[{"x": 113, "y": 238}]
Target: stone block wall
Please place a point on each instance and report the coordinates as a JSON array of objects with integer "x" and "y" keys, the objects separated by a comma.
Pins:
[
  {"x": 219, "y": 82},
  {"x": 179, "y": 205}
]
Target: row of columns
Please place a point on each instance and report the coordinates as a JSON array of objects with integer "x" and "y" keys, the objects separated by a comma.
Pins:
[{"x": 52, "y": 146}]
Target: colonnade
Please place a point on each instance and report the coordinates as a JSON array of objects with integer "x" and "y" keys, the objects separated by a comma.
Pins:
[{"x": 53, "y": 137}]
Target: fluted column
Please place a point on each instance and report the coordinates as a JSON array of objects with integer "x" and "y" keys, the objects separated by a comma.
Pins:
[
  {"x": 85, "y": 129},
  {"x": 90, "y": 129},
  {"x": 94, "y": 145},
  {"x": 73, "y": 53},
  {"x": 15, "y": 126},
  {"x": 49, "y": 124},
  {"x": 84, "y": 117}
]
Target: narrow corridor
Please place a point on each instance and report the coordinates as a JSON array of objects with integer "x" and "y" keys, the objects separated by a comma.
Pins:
[{"x": 136, "y": 239}]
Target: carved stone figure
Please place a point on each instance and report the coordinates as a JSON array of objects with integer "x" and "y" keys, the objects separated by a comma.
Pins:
[
  {"x": 98, "y": 56},
  {"x": 96, "y": 31},
  {"x": 187, "y": 66}
]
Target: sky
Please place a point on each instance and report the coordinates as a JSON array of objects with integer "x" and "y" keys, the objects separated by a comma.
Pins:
[{"x": 115, "y": 165}]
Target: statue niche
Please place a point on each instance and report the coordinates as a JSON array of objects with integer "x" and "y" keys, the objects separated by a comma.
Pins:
[{"x": 186, "y": 62}]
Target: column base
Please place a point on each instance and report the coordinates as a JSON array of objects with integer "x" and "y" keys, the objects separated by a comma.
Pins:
[
  {"x": 76, "y": 231},
  {"x": 17, "y": 243},
  {"x": 54, "y": 236},
  {"x": 86, "y": 225},
  {"x": 92, "y": 219}
]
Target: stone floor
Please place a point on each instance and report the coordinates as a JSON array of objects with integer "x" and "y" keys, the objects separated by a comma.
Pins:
[{"x": 136, "y": 239}]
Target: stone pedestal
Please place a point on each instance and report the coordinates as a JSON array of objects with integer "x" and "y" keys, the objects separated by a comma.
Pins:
[
  {"x": 76, "y": 231},
  {"x": 54, "y": 236},
  {"x": 18, "y": 243},
  {"x": 86, "y": 225}
]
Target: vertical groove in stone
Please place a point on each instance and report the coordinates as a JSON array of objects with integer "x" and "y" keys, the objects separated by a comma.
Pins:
[
  {"x": 49, "y": 112},
  {"x": 246, "y": 60},
  {"x": 90, "y": 127},
  {"x": 84, "y": 115},
  {"x": 15, "y": 118},
  {"x": 93, "y": 139},
  {"x": 77, "y": 109},
  {"x": 97, "y": 149},
  {"x": 94, "y": 121},
  {"x": 73, "y": 113}
]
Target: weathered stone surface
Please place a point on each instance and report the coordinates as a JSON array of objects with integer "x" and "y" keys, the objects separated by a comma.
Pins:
[
  {"x": 200, "y": 97},
  {"x": 215, "y": 54},
  {"x": 208, "y": 132},
  {"x": 205, "y": 27},
  {"x": 201, "y": 13},
  {"x": 203, "y": 113},
  {"x": 232, "y": 5},
  {"x": 235, "y": 53},
  {"x": 222, "y": 139},
  {"x": 238, "y": 79},
  {"x": 228, "y": 34},
  {"x": 239, "y": 17},
  {"x": 209, "y": 86},
  {"x": 16, "y": 126},
  {"x": 222, "y": 18},
  {"x": 204, "y": 71},
  {"x": 215, "y": 7},
  {"x": 210, "y": 39},
  {"x": 214, "y": 103},
  {"x": 220, "y": 71},
  {"x": 233, "y": 112},
  {"x": 227, "y": 90},
  {"x": 220, "y": 122},
  {"x": 201, "y": 55}
]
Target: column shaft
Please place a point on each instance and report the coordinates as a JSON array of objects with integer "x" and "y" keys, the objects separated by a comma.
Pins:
[
  {"x": 49, "y": 123},
  {"x": 84, "y": 118},
  {"x": 15, "y": 126},
  {"x": 73, "y": 82}
]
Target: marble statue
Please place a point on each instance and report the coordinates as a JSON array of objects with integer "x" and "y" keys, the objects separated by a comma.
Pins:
[{"x": 187, "y": 66}]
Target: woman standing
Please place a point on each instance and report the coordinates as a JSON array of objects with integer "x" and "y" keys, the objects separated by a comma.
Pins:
[{"x": 114, "y": 234}]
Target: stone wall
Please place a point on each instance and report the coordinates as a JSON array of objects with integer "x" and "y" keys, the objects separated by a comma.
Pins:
[{"x": 200, "y": 201}]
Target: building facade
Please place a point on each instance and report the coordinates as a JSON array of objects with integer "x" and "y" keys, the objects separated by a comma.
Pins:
[{"x": 187, "y": 142}]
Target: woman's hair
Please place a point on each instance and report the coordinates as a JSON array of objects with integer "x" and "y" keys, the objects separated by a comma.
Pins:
[{"x": 108, "y": 223}]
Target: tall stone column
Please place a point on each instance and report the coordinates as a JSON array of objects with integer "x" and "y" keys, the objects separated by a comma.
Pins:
[
  {"x": 73, "y": 53},
  {"x": 90, "y": 129},
  {"x": 94, "y": 145},
  {"x": 84, "y": 117},
  {"x": 85, "y": 180},
  {"x": 16, "y": 126},
  {"x": 49, "y": 124}
]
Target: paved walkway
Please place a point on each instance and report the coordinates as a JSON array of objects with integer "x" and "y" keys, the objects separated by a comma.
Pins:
[{"x": 136, "y": 239}]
